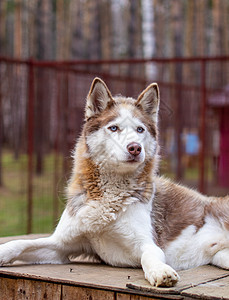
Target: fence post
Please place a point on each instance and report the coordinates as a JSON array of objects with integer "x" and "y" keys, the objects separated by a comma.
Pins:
[
  {"x": 30, "y": 149},
  {"x": 202, "y": 128},
  {"x": 57, "y": 149},
  {"x": 178, "y": 121},
  {"x": 1, "y": 129}
]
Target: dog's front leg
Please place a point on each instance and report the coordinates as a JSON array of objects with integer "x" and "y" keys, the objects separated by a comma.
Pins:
[
  {"x": 156, "y": 271},
  {"x": 42, "y": 250},
  {"x": 66, "y": 240}
]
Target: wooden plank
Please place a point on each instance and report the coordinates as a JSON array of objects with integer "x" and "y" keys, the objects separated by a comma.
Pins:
[
  {"x": 81, "y": 274},
  {"x": 78, "y": 293},
  {"x": 28, "y": 289},
  {"x": 110, "y": 278},
  {"x": 188, "y": 278},
  {"x": 114, "y": 279},
  {"x": 216, "y": 289},
  {"x": 120, "y": 296},
  {"x": 7, "y": 288},
  {"x": 36, "y": 290}
]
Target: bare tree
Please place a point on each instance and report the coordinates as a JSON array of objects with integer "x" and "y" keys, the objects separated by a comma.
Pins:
[
  {"x": 18, "y": 29},
  {"x": 92, "y": 29},
  {"x": 177, "y": 28},
  {"x": 44, "y": 51},
  {"x": 134, "y": 29},
  {"x": 3, "y": 17},
  {"x": 1, "y": 130},
  {"x": 105, "y": 16},
  {"x": 134, "y": 39},
  {"x": 76, "y": 21}
]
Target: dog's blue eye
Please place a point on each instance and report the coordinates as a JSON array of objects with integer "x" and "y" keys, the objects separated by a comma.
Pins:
[
  {"x": 113, "y": 128},
  {"x": 140, "y": 129}
]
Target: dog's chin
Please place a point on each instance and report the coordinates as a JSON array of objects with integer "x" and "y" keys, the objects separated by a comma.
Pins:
[
  {"x": 124, "y": 165},
  {"x": 128, "y": 165}
]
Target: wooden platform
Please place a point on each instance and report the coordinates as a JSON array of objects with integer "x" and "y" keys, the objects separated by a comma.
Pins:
[{"x": 91, "y": 281}]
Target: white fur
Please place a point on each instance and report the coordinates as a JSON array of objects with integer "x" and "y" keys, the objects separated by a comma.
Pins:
[{"x": 199, "y": 247}]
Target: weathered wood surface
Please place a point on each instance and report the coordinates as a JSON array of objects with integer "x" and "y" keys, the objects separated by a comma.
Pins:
[
  {"x": 216, "y": 289},
  {"x": 85, "y": 280},
  {"x": 203, "y": 282}
]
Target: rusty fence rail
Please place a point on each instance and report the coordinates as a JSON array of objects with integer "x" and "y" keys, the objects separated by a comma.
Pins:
[{"x": 41, "y": 114}]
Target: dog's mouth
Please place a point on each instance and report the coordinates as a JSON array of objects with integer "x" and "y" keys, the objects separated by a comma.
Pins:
[{"x": 133, "y": 159}]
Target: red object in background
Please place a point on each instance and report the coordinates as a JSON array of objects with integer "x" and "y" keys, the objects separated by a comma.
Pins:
[{"x": 224, "y": 148}]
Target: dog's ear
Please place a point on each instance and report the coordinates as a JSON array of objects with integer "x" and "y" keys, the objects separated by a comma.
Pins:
[
  {"x": 149, "y": 101},
  {"x": 99, "y": 98}
]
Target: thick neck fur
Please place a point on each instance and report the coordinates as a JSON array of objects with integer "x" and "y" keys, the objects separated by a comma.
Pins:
[{"x": 91, "y": 182}]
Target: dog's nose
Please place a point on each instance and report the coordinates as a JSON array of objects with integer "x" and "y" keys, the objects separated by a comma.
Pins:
[{"x": 134, "y": 148}]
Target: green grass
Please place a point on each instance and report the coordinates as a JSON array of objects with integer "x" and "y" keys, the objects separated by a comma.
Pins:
[
  {"x": 13, "y": 195},
  {"x": 190, "y": 173}
]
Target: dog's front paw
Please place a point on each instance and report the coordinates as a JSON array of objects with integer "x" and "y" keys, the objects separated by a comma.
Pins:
[
  {"x": 4, "y": 260},
  {"x": 161, "y": 275},
  {"x": 6, "y": 255}
]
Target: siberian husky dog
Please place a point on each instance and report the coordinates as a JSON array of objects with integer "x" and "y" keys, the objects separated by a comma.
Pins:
[{"x": 119, "y": 210}]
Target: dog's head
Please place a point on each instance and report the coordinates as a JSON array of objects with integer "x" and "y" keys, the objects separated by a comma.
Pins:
[{"x": 120, "y": 132}]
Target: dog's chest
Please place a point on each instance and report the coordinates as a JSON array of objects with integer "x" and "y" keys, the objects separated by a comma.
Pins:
[
  {"x": 120, "y": 242},
  {"x": 118, "y": 197}
]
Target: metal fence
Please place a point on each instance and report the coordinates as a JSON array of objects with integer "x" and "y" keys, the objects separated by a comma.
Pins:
[{"x": 41, "y": 114}]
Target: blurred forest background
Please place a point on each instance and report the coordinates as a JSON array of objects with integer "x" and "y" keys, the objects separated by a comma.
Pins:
[
  {"x": 50, "y": 51},
  {"x": 106, "y": 29}
]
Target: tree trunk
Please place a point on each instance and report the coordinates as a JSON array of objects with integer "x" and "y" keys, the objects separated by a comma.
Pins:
[
  {"x": 92, "y": 31},
  {"x": 76, "y": 22},
  {"x": 177, "y": 50},
  {"x": 135, "y": 43},
  {"x": 44, "y": 50},
  {"x": 2, "y": 27},
  {"x": 200, "y": 29},
  {"x": 1, "y": 131},
  {"x": 105, "y": 16},
  {"x": 217, "y": 42},
  {"x": 17, "y": 30}
]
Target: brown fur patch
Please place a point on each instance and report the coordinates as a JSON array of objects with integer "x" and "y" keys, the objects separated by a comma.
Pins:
[
  {"x": 111, "y": 113},
  {"x": 145, "y": 119},
  {"x": 174, "y": 208},
  {"x": 219, "y": 208},
  {"x": 85, "y": 179},
  {"x": 98, "y": 121}
]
